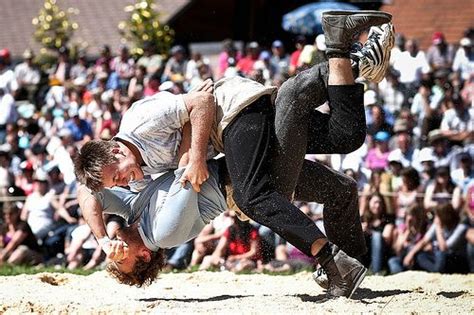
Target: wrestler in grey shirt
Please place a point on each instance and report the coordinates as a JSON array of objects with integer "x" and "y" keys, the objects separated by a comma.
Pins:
[{"x": 168, "y": 214}]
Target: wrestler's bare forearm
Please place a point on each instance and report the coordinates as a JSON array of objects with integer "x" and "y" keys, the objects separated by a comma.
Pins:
[
  {"x": 92, "y": 212},
  {"x": 201, "y": 110}
]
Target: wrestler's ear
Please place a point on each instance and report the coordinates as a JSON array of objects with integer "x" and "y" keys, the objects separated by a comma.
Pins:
[
  {"x": 116, "y": 150},
  {"x": 146, "y": 254}
]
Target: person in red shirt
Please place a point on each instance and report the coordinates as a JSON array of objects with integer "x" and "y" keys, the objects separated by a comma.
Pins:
[
  {"x": 238, "y": 249},
  {"x": 300, "y": 41},
  {"x": 245, "y": 65}
]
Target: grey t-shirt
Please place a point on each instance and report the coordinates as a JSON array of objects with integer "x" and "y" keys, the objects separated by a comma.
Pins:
[{"x": 168, "y": 214}]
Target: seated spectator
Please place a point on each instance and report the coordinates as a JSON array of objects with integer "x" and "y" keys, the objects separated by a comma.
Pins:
[
  {"x": 378, "y": 229},
  {"x": 379, "y": 122},
  {"x": 446, "y": 237},
  {"x": 123, "y": 65},
  {"x": 8, "y": 112},
  {"x": 408, "y": 194},
  {"x": 464, "y": 58},
  {"x": 38, "y": 210},
  {"x": 469, "y": 213},
  {"x": 391, "y": 92},
  {"x": 205, "y": 243},
  {"x": 464, "y": 174},
  {"x": 405, "y": 236},
  {"x": 425, "y": 108},
  {"x": 18, "y": 244},
  {"x": 137, "y": 83},
  {"x": 372, "y": 187},
  {"x": 176, "y": 65},
  {"x": 426, "y": 160},
  {"x": 442, "y": 191},
  {"x": 406, "y": 150},
  {"x": 152, "y": 61},
  {"x": 377, "y": 157},
  {"x": 238, "y": 249},
  {"x": 246, "y": 64},
  {"x": 440, "y": 54},
  {"x": 81, "y": 129},
  {"x": 458, "y": 123},
  {"x": 28, "y": 76}
]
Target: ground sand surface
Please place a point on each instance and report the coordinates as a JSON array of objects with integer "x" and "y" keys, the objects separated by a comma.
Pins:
[{"x": 225, "y": 293}]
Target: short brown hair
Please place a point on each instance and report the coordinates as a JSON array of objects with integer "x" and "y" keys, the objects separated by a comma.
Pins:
[
  {"x": 90, "y": 161},
  {"x": 144, "y": 273}
]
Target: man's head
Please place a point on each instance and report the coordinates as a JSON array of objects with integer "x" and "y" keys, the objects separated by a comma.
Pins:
[
  {"x": 141, "y": 266},
  {"x": 102, "y": 164}
]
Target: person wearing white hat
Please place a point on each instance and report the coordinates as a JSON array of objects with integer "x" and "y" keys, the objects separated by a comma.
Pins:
[{"x": 464, "y": 58}]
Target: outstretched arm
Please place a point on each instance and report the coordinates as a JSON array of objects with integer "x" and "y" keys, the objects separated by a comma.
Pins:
[
  {"x": 92, "y": 212},
  {"x": 201, "y": 108}
]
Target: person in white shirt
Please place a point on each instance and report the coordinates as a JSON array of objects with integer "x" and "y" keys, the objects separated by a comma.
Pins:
[
  {"x": 27, "y": 75},
  {"x": 464, "y": 59},
  {"x": 412, "y": 65}
]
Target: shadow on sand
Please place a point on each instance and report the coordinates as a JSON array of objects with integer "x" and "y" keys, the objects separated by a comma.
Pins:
[
  {"x": 209, "y": 299},
  {"x": 361, "y": 294}
]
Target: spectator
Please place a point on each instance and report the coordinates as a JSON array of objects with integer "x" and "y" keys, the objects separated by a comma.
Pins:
[
  {"x": 62, "y": 70},
  {"x": 390, "y": 91},
  {"x": 371, "y": 188},
  {"x": 279, "y": 61},
  {"x": 458, "y": 123},
  {"x": 152, "y": 61},
  {"x": 412, "y": 66},
  {"x": 440, "y": 54},
  {"x": 300, "y": 42},
  {"x": 426, "y": 160},
  {"x": 425, "y": 108},
  {"x": 448, "y": 244},
  {"x": 464, "y": 59},
  {"x": 377, "y": 157},
  {"x": 469, "y": 213},
  {"x": 28, "y": 76},
  {"x": 442, "y": 191},
  {"x": 378, "y": 230},
  {"x": 406, "y": 236},
  {"x": 38, "y": 210},
  {"x": 18, "y": 244},
  {"x": 176, "y": 65},
  {"x": 379, "y": 122},
  {"x": 464, "y": 174},
  {"x": 406, "y": 151},
  {"x": 408, "y": 194},
  {"x": 80, "y": 129},
  {"x": 8, "y": 112},
  {"x": 206, "y": 242},
  {"x": 123, "y": 65},
  {"x": 8, "y": 80},
  {"x": 246, "y": 64},
  {"x": 79, "y": 69},
  {"x": 137, "y": 83},
  {"x": 238, "y": 249},
  {"x": 229, "y": 55}
]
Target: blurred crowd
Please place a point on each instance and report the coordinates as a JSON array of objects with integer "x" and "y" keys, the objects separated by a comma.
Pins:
[{"x": 415, "y": 172}]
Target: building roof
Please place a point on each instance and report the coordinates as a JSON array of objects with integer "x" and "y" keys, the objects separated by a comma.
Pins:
[{"x": 97, "y": 21}]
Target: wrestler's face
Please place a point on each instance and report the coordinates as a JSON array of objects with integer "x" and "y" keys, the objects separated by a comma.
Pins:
[
  {"x": 120, "y": 173},
  {"x": 136, "y": 249}
]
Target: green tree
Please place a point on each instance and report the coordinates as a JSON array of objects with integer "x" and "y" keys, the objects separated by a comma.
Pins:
[
  {"x": 143, "y": 26},
  {"x": 53, "y": 28}
]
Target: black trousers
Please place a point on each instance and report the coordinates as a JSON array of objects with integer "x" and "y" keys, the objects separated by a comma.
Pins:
[{"x": 262, "y": 173}]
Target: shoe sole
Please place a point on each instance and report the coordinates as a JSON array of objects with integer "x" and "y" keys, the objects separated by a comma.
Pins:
[
  {"x": 361, "y": 13},
  {"x": 360, "y": 277}
]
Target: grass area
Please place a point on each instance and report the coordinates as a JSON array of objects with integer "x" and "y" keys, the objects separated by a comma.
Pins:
[{"x": 9, "y": 270}]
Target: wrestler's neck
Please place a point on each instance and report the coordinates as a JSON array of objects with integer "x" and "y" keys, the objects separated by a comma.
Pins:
[{"x": 133, "y": 150}]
